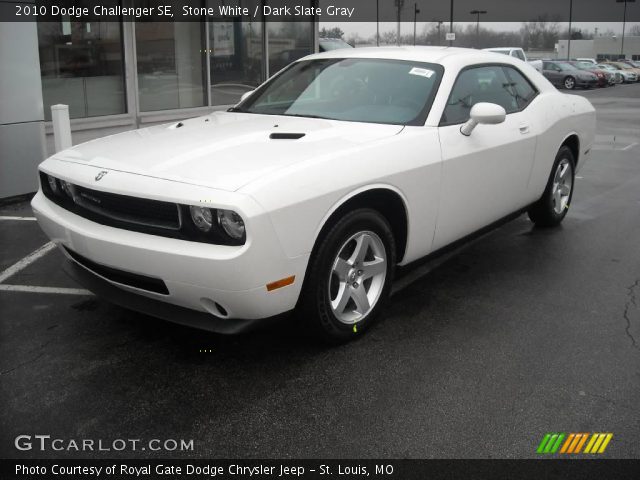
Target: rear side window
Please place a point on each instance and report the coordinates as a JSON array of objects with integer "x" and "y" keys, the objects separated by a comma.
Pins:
[
  {"x": 498, "y": 84},
  {"x": 520, "y": 87}
]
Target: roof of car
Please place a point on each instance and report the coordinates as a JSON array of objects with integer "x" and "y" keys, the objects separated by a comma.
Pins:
[{"x": 440, "y": 55}]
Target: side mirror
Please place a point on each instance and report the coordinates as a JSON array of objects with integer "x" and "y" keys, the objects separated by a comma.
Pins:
[
  {"x": 246, "y": 95},
  {"x": 483, "y": 113}
]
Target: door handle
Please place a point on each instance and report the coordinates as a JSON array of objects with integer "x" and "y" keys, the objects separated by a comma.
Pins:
[{"x": 524, "y": 129}]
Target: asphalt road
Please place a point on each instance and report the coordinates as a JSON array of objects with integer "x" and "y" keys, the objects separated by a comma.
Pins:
[{"x": 521, "y": 333}]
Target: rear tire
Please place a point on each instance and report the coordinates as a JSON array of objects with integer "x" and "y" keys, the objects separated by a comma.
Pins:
[
  {"x": 349, "y": 277},
  {"x": 553, "y": 206},
  {"x": 569, "y": 83}
]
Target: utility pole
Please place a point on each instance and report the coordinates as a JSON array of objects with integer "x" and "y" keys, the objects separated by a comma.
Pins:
[
  {"x": 416, "y": 11},
  {"x": 478, "y": 13}
]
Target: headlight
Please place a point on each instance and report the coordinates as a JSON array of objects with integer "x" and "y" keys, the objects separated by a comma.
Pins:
[
  {"x": 231, "y": 223},
  {"x": 53, "y": 184},
  {"x": 202, "y": 218}
]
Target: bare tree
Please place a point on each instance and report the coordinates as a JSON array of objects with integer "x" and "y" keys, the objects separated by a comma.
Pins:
[
  {"x": 634, "y": 31},
  {"x": 335, "y": 32},
  {"x": 541, "y": 33},
  {"x": 388, "y": 38}
]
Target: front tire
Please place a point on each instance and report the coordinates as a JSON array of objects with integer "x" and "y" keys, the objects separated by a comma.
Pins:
[
  {"x": 349, "y": 277},
  {"x": 552, "y": 207}
]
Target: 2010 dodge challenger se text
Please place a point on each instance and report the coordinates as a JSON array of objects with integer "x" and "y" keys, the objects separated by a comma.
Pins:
[{"x": 311, "y": 191}]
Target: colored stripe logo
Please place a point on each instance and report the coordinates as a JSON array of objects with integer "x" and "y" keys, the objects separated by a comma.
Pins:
[{"x": 573, "y": 443}]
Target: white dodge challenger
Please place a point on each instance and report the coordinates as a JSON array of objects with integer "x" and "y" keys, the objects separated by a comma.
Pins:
[{"x": 311, "y": 191}]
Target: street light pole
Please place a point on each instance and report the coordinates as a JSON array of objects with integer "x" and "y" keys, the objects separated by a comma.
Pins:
[
  {"x": 451, "y": 23},
  {"x": 624, "y": 22},
  {"x": 478, "y": 13},
  {"x": 399, "y": 4},
  {"x": 569, "y": 42},
  {"x": 377, "y": 23},
  {"x": 440, "y": 22},
  {"x": 416, "y": 11}
]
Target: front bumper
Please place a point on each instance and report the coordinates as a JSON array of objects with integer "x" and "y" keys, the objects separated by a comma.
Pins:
[
  {"x": 197, "y": 275},
  {"x": 584, "y": 82}
]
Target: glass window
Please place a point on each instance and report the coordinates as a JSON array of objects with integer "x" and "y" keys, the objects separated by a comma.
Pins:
[
  {"x": 482, "y": 84},
  {"x": 236, "y": 59},
  {"x": 520, "y": 87},
  {"x": 81, "y": 64},
  {"x": 353, "y": 89},
  {"x": 288, "y": 41},
  {"x": 519, "y": 54},
  {"x": 170, "y": 61},
  {"x": 236, "y": 52}
]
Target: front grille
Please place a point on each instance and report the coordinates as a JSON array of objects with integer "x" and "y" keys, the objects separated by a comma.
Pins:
[
  {"x": 121, "y": 211},
  {"x": 141, "y": 211},
  {"x": 135, "y": 280},
  {"x": 153, "y": 217}
]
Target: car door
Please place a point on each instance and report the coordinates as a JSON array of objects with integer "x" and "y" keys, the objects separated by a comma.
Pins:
[
  {"x": 552, "y": 72},
  {"x": 484, "y": 175}
]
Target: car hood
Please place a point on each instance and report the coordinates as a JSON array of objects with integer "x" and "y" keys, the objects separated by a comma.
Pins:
[{"x": 224, "y": 150}]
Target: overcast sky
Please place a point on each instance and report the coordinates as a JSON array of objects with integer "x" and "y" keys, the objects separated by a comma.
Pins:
[
  {"x": 367, "y": 29},
  {"x": 501, "y": 14}
]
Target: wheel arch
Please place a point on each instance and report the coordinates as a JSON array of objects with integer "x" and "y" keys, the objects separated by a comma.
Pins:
[
  {"x": 386, "y": 199},
  {"x": 572, "y": 141}
]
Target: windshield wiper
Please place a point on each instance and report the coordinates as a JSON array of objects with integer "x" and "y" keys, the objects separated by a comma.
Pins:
[
  {"x": 306, "y": 116},
  {"x": 237, "y": 109}
]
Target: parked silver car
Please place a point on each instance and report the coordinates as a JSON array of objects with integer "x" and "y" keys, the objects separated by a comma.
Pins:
[{"x": 617, "y": 74}]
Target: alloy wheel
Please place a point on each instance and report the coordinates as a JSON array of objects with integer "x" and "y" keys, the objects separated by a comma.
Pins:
[
  {"x": 562, "y": 185},
  {"x": 357, "y": 277},
  {"x": 569, "y": 83}
]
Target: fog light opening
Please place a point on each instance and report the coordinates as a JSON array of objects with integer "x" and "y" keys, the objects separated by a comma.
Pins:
[{"x": 214, "y": 308}]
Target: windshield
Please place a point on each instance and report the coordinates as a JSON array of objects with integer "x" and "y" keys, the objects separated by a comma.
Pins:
[
  {"x": 351, "y": 89},
  {"x": 584, "y": 65}
]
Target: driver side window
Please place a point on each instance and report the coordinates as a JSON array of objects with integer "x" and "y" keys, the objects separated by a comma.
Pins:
[{"x": 479, "y": 84}]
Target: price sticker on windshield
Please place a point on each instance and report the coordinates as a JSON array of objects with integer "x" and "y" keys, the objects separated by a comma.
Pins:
[{"x": 423, "y": 72}]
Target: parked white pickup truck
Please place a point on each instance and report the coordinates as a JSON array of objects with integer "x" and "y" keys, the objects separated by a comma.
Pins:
[{"x": 518, "y": 53}]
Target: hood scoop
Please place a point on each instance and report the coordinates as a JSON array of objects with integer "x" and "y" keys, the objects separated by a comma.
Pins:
[{"x": 286, "y": 136}]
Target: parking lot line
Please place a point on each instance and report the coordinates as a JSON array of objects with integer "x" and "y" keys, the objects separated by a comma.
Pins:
[
  {"x": 26, "y": 261},
  {"x": 31, "y": 219},
  {"x": 35, "y": 289}
]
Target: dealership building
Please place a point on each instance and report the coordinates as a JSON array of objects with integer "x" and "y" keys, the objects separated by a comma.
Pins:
[
  {"x": 601, "y": 48},
  {"x": 118, "y": 76}
]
